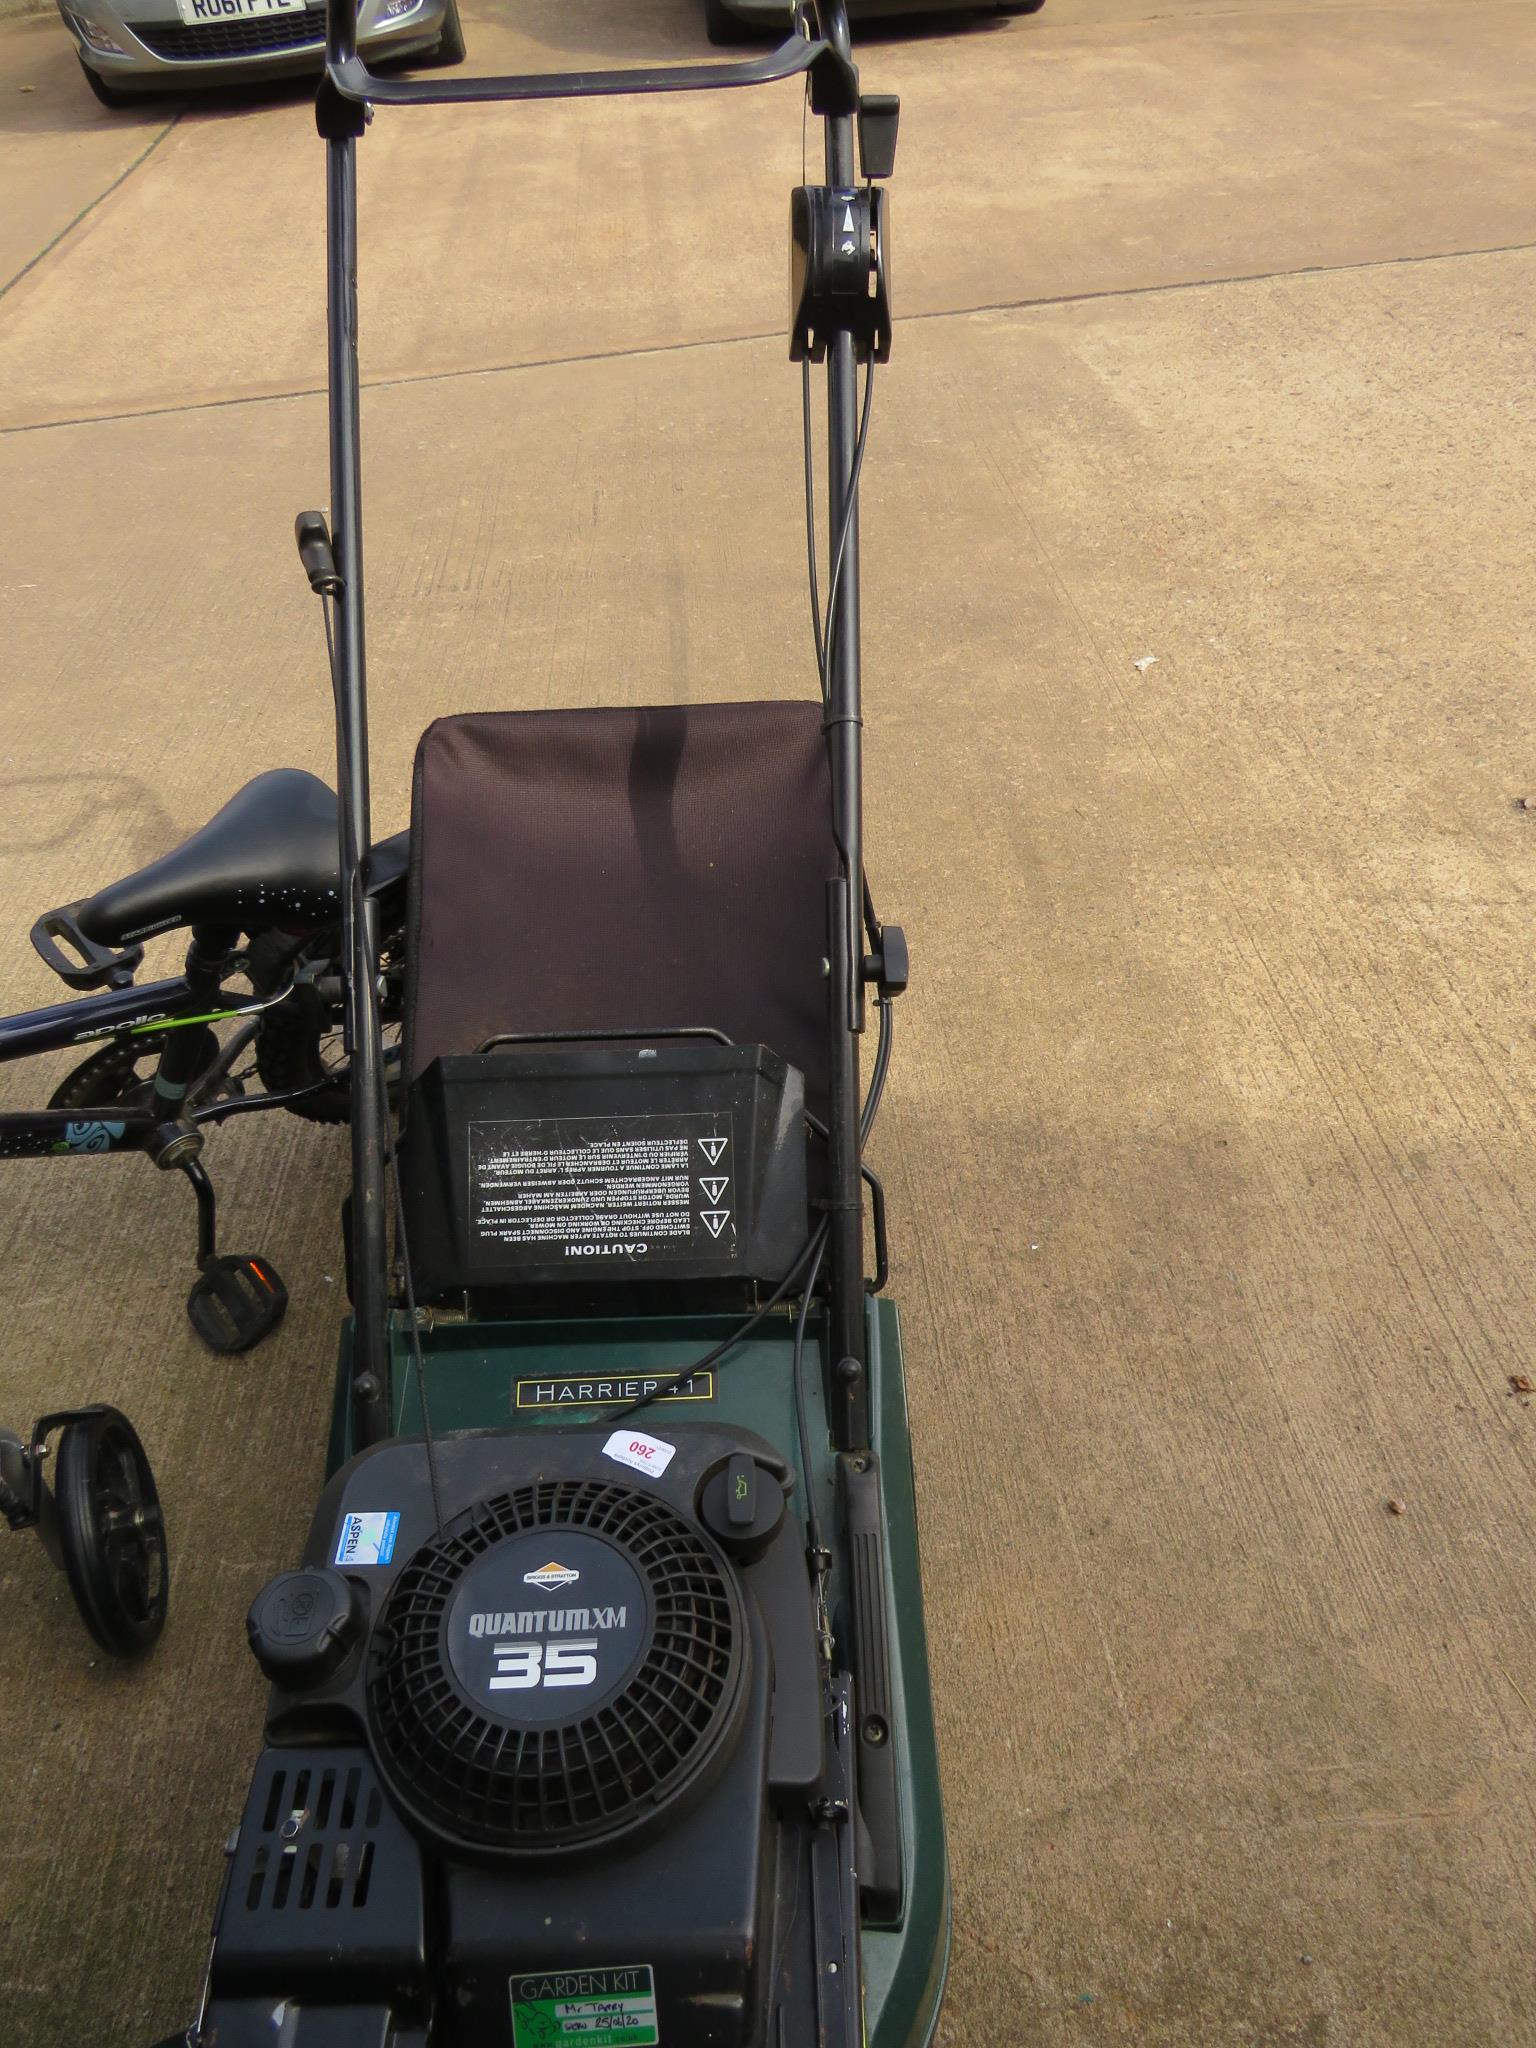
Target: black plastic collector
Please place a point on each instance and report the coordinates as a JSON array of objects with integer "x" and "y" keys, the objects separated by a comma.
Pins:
[{"x": 342, "y": 110}]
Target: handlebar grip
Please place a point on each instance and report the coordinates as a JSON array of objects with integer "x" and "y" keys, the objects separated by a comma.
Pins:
[
  {"x": 349, "y": 79},
  {"x": 316, "y": 553}
]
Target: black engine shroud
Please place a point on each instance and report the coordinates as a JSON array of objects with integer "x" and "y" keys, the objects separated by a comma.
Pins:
[{"x": 563, "y": 1769}]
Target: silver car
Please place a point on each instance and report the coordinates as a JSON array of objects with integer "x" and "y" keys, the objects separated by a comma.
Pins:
[{"x": 130, "y": 47}]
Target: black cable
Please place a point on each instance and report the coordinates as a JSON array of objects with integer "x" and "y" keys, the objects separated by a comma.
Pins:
[
  {"x": 871, "y": 921},
  {"x": 812, "y": 1512},
  {"x": 686, "y": 1375},
  {"x": 402, "y": 1244},
  {"x": 821, "y": 630},
  {"x": 877, "y": 1076},
  {"x": 805, "y": 415},
  {"x": 850, "y": 506},
  {"x": 416, "y": 1358},
  {"x": 810, "y": 521},
  {"x": 880, "y": 1069}
]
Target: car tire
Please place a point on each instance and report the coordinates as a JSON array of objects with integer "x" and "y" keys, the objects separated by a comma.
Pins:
[
  {"x": 450, "y": 44},
  {"x": 727, "y": 30},
  {"x": 108, "y": 95}
]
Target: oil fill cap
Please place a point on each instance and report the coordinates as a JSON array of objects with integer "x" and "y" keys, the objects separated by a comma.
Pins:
[
  {"x": 303, "y": 1625},
  {"x": 742, "y": 1504}
]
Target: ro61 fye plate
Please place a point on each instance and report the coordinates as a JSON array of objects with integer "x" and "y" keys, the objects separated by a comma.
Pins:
[{"x": 204, "y": 13}]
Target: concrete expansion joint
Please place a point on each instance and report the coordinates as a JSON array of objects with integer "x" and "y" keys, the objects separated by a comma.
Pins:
[
  {"x": 106, "y": 193},
  {"x": 719, "y": 341}
]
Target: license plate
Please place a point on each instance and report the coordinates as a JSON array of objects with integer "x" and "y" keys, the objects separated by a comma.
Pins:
[{"x": 204, "y": 13}]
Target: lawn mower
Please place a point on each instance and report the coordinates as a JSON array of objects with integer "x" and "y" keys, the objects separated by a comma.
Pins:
[{"x": 599, "y": 1705}]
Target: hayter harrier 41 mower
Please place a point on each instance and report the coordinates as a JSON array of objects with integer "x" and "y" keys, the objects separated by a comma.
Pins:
[{"x": 600, "y": 1707}]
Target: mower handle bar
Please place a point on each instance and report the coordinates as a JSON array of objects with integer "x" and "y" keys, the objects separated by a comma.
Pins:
[{"x": 350, "y": 79}]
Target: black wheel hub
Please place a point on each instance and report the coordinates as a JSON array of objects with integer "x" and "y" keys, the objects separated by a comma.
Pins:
[{"x": 112, "y": 1532}]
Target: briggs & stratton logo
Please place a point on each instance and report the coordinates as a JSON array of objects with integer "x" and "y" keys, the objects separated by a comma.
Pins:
[{"x": 550, "y": 1578}]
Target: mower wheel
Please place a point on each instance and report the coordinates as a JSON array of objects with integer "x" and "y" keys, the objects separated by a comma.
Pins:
[{"x": 112, "y": 1532}]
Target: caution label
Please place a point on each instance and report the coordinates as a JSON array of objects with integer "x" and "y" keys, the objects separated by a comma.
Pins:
[
  {"x": 599, "y": 2008},
  {"x": 622, "y": 1190}
]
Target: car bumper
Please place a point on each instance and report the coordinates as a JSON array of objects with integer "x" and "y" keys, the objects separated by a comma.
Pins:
[{"x": 145, "y": 46}]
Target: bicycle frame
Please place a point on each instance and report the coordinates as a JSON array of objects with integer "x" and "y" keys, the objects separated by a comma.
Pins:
[
  {"x": 156, "y": 1005},
  {"x": 149, "y": 1011}
]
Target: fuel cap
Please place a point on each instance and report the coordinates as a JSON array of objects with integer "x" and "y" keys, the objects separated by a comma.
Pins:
[
  {"x": 303, "y": 1625},
  {"x": 742, "y": 1505}
]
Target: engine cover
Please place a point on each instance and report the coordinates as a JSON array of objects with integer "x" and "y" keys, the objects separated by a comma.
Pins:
[
  {"x": 555, "y": 1667},
  {"x": 591, "y": 1707}
]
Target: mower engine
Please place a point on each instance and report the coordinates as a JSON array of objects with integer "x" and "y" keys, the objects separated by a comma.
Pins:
[{"x": 553, "y": 1769}]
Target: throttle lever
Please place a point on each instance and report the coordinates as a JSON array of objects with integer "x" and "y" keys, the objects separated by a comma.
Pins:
[{"x": 317, "y": 554}]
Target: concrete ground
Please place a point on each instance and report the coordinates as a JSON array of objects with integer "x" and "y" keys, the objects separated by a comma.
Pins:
[{"x": 1199, "y": 664}]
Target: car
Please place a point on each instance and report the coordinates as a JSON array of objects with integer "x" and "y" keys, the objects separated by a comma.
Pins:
[
  {"x": 128, "y": 48},
  {"x": 750, "y": 21}
]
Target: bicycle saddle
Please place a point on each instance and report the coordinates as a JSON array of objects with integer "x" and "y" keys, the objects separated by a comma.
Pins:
[{"x": 269, "y": 857}]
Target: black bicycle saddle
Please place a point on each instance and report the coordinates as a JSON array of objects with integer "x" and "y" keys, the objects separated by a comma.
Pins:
[{"x": 268, "y": 857}]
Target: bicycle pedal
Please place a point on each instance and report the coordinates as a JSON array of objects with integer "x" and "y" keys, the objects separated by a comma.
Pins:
[{"x": 236, "y": 1301}]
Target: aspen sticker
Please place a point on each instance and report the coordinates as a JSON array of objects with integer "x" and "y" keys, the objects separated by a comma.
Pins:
[{"x": 367, "y": 1539}]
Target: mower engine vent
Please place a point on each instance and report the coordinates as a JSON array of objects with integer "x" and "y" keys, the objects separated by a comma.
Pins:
[
  {"x": 326, "y": 1880},
  {"x": 316, "y": 1841},
  {"x": 554, "y": 1667}
]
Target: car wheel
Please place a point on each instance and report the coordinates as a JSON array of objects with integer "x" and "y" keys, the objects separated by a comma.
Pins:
[
  {"x": 724, "y": 28},
  {"x": 107, "y": 94},
  {"x": 450, "y": 44}
]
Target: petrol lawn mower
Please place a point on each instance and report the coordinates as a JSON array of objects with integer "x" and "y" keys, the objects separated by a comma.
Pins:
[{"x": 599, "y": 1701}]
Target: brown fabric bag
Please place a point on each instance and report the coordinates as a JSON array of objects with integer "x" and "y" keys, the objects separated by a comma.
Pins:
[{"x": 622, "y": 870}]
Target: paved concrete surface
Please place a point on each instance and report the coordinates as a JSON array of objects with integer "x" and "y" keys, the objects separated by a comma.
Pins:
[{"x": 1209, "y": 1141}]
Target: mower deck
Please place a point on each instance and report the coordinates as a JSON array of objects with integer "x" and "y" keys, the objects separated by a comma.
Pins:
[{"x": 483, "y": 1375}]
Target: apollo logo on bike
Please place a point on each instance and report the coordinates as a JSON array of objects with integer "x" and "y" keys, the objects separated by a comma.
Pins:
[{"x": 149, "y": 1018}]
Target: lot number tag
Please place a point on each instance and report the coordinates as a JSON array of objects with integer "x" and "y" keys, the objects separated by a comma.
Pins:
[{"x": 640, "y": 1452}]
